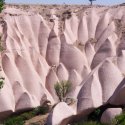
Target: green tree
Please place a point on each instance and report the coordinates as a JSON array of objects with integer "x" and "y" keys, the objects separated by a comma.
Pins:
[
  {"x": 2, "y": 2},
  {"x": 91, "y": 2},
  {"x": 62, "y": 88}
]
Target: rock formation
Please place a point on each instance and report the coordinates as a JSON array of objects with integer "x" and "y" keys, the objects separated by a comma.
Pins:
[{"x": 86, "y": 48}]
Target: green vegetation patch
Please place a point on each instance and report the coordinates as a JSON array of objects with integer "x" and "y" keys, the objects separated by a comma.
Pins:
[
  {"x": 88, "y": 123},
  {"x": 20, "y": 119},
  {"x": 2, "y": 2},
  {"x": 62, "y": 88}
]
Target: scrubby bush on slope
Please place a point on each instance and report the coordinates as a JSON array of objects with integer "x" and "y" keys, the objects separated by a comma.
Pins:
[
  {"x": 2, "y": 2},
  {"x": 62, "y": 88}
]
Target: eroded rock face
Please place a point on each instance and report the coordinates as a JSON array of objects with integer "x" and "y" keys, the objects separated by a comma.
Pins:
[
  {"x": 59, "y": 113},
  {"x": 110, "y": 114},
  {"x": 89, "y": 52}
]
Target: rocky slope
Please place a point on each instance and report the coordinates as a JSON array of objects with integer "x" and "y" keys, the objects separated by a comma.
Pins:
[{"x": 85, "y": 45}]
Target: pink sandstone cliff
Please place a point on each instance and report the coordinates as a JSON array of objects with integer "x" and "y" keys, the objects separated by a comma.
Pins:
[{"x": 89, "y": 51}]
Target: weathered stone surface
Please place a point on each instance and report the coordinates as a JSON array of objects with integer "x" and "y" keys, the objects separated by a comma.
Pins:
[
  {"x": 88, "y": 51},
  {"x": 109, "y": 114},
  {"x": 60, "y": 112}
]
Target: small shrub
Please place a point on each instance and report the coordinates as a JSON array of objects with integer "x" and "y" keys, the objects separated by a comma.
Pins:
[
  {"x": 94, "y": 116},
  {"x": 92, "y": 40},
  {"x": 41, "y": 110},
  {"x": 1, "y": 47},
  {"x": 1, "y": 82},
  {"x": 119, "y": 120},
  {"x": 14, "y": 121},
  {"x": 62, "y": 88},
  {"x": 27, "y": 115},
  {"x": 20, "y": 120},
  {"x": 66, "y": 15},
  {"x": 2, "y": 2},
  {"x": 88, "y": 123}
]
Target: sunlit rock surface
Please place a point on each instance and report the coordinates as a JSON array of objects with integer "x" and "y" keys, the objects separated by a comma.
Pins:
[{"x": 89, "y": 51}]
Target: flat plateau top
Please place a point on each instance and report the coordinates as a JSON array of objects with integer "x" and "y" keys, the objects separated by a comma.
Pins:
[{"x": 46, "y": 10}]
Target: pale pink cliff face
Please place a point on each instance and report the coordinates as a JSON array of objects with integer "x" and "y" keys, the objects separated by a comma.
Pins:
[{"x": 89, "y": 53}]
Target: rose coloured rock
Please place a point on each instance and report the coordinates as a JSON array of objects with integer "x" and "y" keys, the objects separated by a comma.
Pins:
[{"x": 89, "y": 51}]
